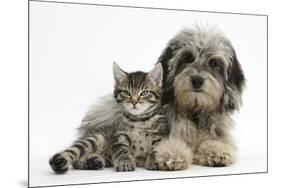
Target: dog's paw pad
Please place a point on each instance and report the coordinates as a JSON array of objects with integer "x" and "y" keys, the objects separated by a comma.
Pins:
[
  {"x": 176, "y": 165},
  {"x": 219, "y": 159}
]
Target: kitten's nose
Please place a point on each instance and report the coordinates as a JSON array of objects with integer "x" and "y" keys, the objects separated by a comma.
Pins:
[
  {"x": 134, "y": 104},
  {"x": 134, "y": 100}
]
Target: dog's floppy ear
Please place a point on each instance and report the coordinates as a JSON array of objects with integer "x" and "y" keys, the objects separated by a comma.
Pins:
[
  {"x": 234, "y": 85},
  {"x": 236, "y": 75},
  {"x": 164, "y": 58},
  {"x": 167, "y": 85}
]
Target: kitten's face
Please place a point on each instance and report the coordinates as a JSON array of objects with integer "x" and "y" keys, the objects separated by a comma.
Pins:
[{"x": 138, "y": 92}]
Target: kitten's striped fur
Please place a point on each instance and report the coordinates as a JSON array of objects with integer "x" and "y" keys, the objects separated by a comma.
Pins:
[
  {"x": 79, "y": 150},
  {"x": 143, "y": 122},
  {"x": 126, "y": 134}
]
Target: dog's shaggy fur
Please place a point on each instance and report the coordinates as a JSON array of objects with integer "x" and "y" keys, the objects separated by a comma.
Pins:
[{"x": 203, "y": 83}]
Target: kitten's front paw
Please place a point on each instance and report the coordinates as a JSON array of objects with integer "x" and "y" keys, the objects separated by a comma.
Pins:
[
  {"x": 125, "y": 165},
  {"x": 59, "y": 163}
]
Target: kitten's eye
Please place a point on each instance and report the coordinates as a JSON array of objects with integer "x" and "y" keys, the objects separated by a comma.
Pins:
[
  {"x": 144, "y": 93},
  {"x": 126, "y": 93}
]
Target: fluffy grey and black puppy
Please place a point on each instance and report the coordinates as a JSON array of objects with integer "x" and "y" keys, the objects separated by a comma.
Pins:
[{"x": 203, "y": 83}]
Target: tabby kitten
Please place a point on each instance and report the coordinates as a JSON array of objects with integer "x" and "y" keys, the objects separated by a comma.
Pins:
[
  {"x": 124, "y": 135},
  {"x": 142, "y": 123}
]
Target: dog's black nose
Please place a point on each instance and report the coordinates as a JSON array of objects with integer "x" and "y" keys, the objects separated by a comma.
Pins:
[{"x": 197, "y": 82}]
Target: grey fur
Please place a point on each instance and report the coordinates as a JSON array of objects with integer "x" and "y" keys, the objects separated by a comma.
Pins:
[{"x": 200, "y": 120}]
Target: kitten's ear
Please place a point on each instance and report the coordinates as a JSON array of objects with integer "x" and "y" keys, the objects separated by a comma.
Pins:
[
  {"x": 156, "y": 74},
  {"x": 118, "y": 72}
]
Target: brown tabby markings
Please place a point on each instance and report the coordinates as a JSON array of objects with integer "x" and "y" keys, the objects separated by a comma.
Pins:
[
  {"x": 135, "y": 134},
  {"x": 128, "y": 138}
]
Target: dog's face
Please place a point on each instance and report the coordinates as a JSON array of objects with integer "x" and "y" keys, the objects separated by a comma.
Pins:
[{"x": 201, "y": 72}]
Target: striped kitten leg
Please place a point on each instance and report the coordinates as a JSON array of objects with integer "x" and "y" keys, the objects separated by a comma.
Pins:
[
  {"x": 90, "y": 161},
  {"x": 121, "y": 155},
  {"x": 61, "y": 161}
]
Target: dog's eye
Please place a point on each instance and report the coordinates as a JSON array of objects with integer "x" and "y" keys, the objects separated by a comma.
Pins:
[
  {"x": 215, "y": 63},
  {"x": 187, "y": 58}
]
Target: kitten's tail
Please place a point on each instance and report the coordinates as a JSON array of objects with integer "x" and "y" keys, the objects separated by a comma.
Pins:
[
  {"x": 100, "y": 115},
  {"x": 61, "y": 161}
]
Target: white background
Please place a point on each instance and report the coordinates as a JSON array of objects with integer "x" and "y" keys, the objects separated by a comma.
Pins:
[
  {"x": 14, "y": 94},
  {"x": 72, "y": 48}
]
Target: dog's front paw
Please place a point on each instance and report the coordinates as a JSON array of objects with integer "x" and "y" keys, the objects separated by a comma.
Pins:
[
  {"x": 214, "y": 154},
  {"x": 170, "y": 155},
  {"x": 213, "y": 158},
  {"x": 151, "y": 163},
  {"x": 169, "y": 161},
  {"x": 59, "y": 163},
  {"x": 125, "y": 165},
  {"x": 170, "y": 165},
  {"x": 218, "y": 159}
]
